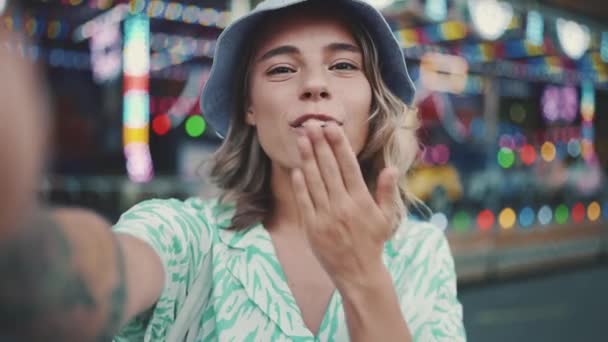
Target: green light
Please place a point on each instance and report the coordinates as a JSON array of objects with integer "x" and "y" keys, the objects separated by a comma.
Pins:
[
  {"x": 506, "y": 157},
  {"x": 561, "y": 214},
  {"x": 461, "y": 221},
  {"x": 195, "y": 126}
]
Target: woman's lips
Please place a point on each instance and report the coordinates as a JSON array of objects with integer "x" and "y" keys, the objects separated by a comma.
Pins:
[
  {"x": 301, "y": 129},
  {"x": 316, "y": 122},
  {"x": 312, "y": 118}
]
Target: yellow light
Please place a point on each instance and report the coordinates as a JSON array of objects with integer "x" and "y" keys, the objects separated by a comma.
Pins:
[
  {"x": 587, "y": 148},
  {"x": 594, "y": 211},
  {"x": 409, "y": 37},
  {"x": 75, "y": 2},
  {"x": 487, "y": 50},
  {"x": 507, "y": 218},
  {"x": 453, "y": 30},
  {"x": 547, "y": 151},
  {"x": 534, "y": 50},
  {"x": 136, "y": 135}
]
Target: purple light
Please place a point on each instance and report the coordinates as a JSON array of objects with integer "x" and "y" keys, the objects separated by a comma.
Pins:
[
  {"x": 559, "y": 103},
  {"x": 550, "y": 103},
  {"x": 441, "y": 154},
  {"x": 507, "y": 141}
]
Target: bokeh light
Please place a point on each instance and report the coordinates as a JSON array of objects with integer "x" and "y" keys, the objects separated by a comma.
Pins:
[
  {"x": 461, "y": 221},
  {"x": 161, "y": 124},
  {"x": 545, "y": 215},
  {"x": 517, "y": 112},
  {"x": 574, "y": 148},
  {"x": 507, "y": 218},
  {"x": 485, "y": 220},
  {"x": 439, "y": 220},
  {"x": 441, "y": 154},
  {"x": 547, "y": 151},
  {"x": 594, "y": 211},
  {"x": 526, "y": 217},
  {"x": 195, "y": 126},
  {"x": 578, "y": 213},
  {"x": 507, "y": 141},
  {"x": 528, "y": 154},
  {"x": 574, "y": 38},
  {"x": 561, "y": 214},
  {"x": 506, "y": 157},
  {"x": 490, "y": 17}
]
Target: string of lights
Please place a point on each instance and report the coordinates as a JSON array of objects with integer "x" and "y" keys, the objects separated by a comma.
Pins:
[
  {"x": 508, "y": 218},
  {"x": 136, "y": 109}
]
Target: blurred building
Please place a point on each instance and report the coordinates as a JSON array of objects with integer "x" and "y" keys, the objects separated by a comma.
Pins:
[{"x": 511, "y": 95}]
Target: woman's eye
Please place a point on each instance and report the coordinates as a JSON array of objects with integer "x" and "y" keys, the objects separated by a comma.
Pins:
[
  {"x": 279, "y": 70},
  {"x": 344, "y": 66}
]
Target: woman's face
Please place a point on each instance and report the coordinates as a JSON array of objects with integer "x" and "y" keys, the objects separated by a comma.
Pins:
[{"x": 306, "y": 70}]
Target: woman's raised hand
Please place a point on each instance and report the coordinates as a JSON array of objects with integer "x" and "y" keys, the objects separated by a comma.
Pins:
[{"x": 345, "y": 225}]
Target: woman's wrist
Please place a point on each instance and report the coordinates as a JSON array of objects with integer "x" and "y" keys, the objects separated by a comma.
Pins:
[
  {"x": 372, "y": 309},
  {"x": 376, "y": 280}
]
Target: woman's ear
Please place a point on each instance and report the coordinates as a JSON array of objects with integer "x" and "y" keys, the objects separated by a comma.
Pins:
[{"x": 250, "y": 117}]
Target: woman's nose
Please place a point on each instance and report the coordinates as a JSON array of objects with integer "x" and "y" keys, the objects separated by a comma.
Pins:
[{"x": 315, "y": 87}]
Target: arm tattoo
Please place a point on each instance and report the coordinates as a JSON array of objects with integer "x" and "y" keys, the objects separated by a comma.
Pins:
[{"x": 50, "y": 289}]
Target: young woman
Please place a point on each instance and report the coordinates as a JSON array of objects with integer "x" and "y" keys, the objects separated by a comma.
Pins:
[{"x": 310, "y": 238}]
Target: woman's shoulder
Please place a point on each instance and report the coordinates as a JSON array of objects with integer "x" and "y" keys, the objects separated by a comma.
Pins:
[{"x": 210, "y": 210}]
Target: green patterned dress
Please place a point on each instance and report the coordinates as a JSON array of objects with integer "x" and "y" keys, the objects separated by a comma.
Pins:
[{"x": 249, "y": 298}]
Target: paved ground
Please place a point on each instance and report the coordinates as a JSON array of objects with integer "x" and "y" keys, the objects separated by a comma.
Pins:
[{"x": 568, "y": 306}]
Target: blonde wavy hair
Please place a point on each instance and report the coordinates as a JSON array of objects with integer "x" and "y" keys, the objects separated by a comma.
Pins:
[{"x": 241, "y": 170}]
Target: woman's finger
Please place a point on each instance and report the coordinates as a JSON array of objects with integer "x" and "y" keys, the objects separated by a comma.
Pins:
[
  {"x": 312, "y": 175},
  {"x": 386, "y": 193},
  {"x": 305, "y": 206},
  {"x": 328, "y": 165},
  {"x": 347, "y": 160}
]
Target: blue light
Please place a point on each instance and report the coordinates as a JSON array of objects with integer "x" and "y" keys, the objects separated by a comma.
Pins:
[
  {"x": 436, "y": 10},
  {"x": 534, "y": 28},
  {"x": 439, "y": 220},
  {"x": 604, "y": 47},
  {"x": 545, "y": 215},
  {"x": 574, "y": 148},
  {"x": 605, "y": 210},
  {"x": 526, "y": 217}
]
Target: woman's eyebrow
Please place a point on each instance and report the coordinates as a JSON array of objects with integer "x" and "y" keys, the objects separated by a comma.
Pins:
[
  {"x": 292, "y": 50},
  {"x": 281, "y": 50},
  {"x": 335, "y": 47}
]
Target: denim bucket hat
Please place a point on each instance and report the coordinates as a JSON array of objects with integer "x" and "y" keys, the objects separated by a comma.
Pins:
[{"x": 217, "y": 103}]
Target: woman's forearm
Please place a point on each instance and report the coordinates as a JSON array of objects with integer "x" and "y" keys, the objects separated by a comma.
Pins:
[
  {"x": 372, "y": 310},
  {"x": 60, "y": 281}
]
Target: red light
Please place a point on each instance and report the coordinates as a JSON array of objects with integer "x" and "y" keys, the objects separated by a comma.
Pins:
[
  {"x": 578, "y": 213},
  {"x": 161, "y": 124},
  {"x": 485, "y": 220},
  {"x": 528, "y": 154},
  {"x": 136, "y": 83}
]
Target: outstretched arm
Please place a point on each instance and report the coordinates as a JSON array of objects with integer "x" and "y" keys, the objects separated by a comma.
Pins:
[{"x": 66, "y": 277}]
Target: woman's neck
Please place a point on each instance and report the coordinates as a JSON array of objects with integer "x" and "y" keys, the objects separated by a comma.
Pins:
[{"x": 285, "y": 215}]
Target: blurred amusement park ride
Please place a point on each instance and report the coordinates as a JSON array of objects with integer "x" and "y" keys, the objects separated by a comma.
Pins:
[{"x": 511, "y": 94}]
